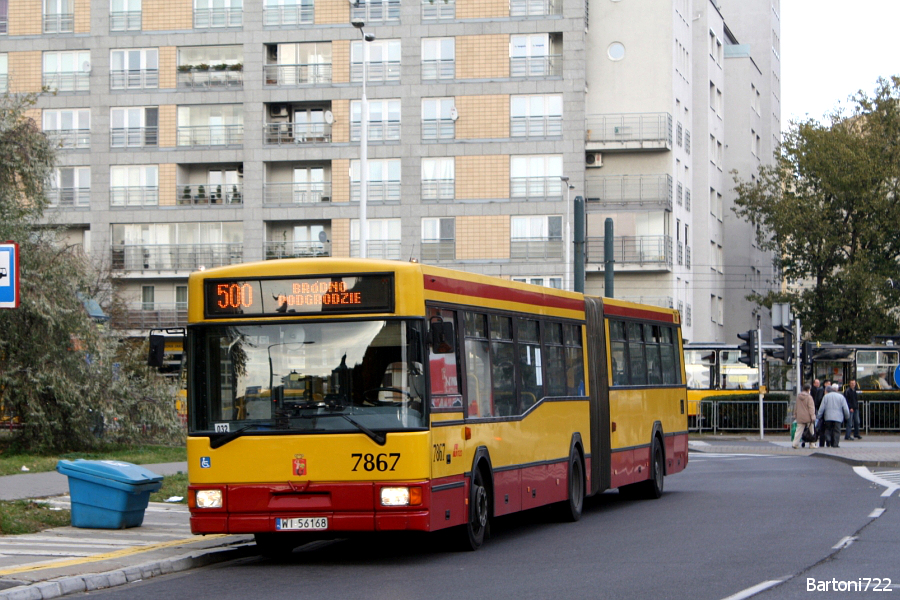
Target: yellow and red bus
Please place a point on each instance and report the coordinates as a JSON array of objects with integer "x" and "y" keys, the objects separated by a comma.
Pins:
[{"x": 330, "y": 396}]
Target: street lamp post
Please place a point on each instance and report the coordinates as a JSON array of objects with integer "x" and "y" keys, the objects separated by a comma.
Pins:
[
  {"x": 363, "y": 143},
  {"x": 568, "y": 234}
]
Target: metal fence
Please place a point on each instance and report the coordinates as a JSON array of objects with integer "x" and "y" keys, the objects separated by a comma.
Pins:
[{"x": 743, "y": 415}]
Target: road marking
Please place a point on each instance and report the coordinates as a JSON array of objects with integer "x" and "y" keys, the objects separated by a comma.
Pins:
[
  {"x": 887, "y": 493},
  {"x": 888, "y": 479},
  {"x": 876, "y": 513},
  {"x": 702, "y": 456},
  {"x": 844, "y": 543},
  {"x": 752, "y": 591}
]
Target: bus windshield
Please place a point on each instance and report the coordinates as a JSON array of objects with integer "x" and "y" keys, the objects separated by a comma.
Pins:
[{"x": 308, "y": 377}]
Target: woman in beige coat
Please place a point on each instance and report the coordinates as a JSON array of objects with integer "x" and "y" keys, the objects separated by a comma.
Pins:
[{"x": 805, "y": 415}]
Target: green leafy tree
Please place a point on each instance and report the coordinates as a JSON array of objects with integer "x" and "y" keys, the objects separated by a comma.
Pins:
[{"x": 829, "y": 209}]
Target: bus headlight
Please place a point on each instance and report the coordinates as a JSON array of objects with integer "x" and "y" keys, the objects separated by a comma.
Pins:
[
  {"x": 209, "y": 498},
  {"x": 401, "y": 496}
]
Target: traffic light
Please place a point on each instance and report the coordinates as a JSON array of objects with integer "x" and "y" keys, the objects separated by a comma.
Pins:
[
  {"x": 748, "y": 348},
  {"x": 806, "y": 353},
  {"x": 786, "y": 341}
]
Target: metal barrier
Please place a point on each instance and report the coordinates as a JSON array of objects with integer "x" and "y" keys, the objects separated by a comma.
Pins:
[
  {"x": 880, "y": 415},
  {"x": 743, "y": 415}
]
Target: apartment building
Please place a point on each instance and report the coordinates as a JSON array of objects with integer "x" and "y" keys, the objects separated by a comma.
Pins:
[{"x": 196, "y": 133}]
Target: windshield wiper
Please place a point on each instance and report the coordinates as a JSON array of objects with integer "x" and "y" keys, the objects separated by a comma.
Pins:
[
  {"x": 378, "y": 438},
  {"x": 218, "y": 442}
]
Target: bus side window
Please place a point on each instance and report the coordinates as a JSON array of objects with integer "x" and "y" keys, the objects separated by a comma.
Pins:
[
  {"x": 531, "y": 376},
  {"x": 478, "y": 366},
  {"x": 556, "y": 359},
  {"x": 618, "y": 355},
  {"x": 443, "y": 369},
  {"x": 503, "y": 368},
  {"x": 574, "y": 361}
]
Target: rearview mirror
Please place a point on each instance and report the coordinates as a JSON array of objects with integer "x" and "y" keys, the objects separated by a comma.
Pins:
[{"x": 441, "y": 336}]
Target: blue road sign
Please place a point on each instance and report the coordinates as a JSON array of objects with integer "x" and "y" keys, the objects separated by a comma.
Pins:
[
  {"x": 896, "y": 376},
  {"x": 9, "y": 275}
]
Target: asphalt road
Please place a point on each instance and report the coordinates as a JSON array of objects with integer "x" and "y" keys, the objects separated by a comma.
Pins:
[{"x": 727, "y": 524}]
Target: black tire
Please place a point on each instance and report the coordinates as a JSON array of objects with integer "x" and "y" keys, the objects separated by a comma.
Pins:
[
  {"x": 478, "y": 524},
  {"x": 652, "y": 488},
  {"x": 275, "y": 545},
  {"x": 570, "y": 510}
]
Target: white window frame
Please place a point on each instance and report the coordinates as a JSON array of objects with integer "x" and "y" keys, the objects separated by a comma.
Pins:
[
  {"x": 436, "y": 53},
  {"x": 535, "y": 227},
  {"x": 545, "y": 110}
]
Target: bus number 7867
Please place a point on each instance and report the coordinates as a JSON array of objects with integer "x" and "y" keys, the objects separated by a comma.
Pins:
[{"x": 376, "y": 462}]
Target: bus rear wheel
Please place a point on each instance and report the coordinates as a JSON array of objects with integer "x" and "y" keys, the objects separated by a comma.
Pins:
[
  {"x": 479, "y": 513},
  {"x": 570, "y": 510}
]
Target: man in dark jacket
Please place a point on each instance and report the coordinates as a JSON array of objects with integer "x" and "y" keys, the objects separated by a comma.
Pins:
[
  {"x": 817, "y": 392},
  {"x": 852, "y": 396}
]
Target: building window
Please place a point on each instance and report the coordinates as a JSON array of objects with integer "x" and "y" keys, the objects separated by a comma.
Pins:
[
  {"x": 530, "y": 56},
  {"x": 375, "y": 11},
  {"x": 535, "y": 116},
  {"x": 442, "y": 9},
  {"x": 384, "y": 121},
  {"x": 134, "y": 69},
  {"x": 134, "y": 185},
  {"x": 439, "y": 239},
  {"x": 148, "y": 294},
  {"x": 124, "y": 15},
  {"x": 67, "y": 71},
  {"x": 181, "y": 297},
  {"x": 438, "y": 178},
  {"x": 176, "y": 246},
  {"x": 437, "y": 119},
  {"x": 68, "y": 128},
  {"x": 383, "y": 183},
  {"x": 550, "y": 282},
  {"x": 298, "y": 64},
  {"x": 59, "y": 16},
  {"x": 536, "y": 176},
  {"x": 536, "y": 237},
  {"x": 383, "y": 240},
  {"x": 309, "y": 185},
  {"x": 211, "y": 67},
  {"x": 209, "y": 14},
  {"x": 4, "y": 18},
  {"x": 70, "y": 187},
  {"x": 382, "y": 60},
  {"x": 211, "y": 125},
  {"x": 438, "y": 58},
  {"x": 289, "y": 12},
  {"x": 4, "y": 72}
]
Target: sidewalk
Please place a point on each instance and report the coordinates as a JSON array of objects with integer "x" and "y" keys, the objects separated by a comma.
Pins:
[
  {"x": 872, "y": 451},
  {"x": 67, "y": 560}
]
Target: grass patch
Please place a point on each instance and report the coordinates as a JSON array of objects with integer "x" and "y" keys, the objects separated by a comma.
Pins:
[
  {"x": 28, "y": 516},
  {"x": 11, "y": 464},
  {"x": 172, "y": 485}
]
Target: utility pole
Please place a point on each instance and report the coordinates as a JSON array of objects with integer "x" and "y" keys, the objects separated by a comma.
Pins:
[{"x": 759, "y": 376}]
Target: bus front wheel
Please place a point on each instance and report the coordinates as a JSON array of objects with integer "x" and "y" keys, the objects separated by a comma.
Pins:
[{"x": 479, "y": 513}]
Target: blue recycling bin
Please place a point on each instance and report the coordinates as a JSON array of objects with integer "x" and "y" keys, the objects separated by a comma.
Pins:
[{"x": 108, "y": 494}]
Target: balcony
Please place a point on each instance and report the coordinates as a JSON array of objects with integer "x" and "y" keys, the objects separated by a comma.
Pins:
[
  {"x": 296, "y": 133},
  {"x": 534, "y": 248},
  {"x": 156, "y": 315},
  {"x": 210, "y": 135},
  {"x": 214, "y": 18},
  {"x": 291, "y": 75},
  {"x": 536, "y": 66},
  {"x": 641, "y": 251},
  {"x": 435, "y": 10},
  {"x": 174, "y": 257},
  {"x": 536, "y": 127},
  {"x": 70, "y": 138},
  {"x": 137, "y": 79},
  {"x": 438, "y": 129},
  {"x": 687, "y": 256},
  {"x": 375, "y": 11},
  {"x": 73, "y": 81},
  {"x": 536, "y": 187},
  {"x": 438, "y": 189},
  {"x": 643, "y": 191},
  {"x": 534, "y": 8},
  {"x": 209, "y": 195},
  {"x": 68, "y": 197},
  {"x": 437, "y": 250},
  {"x": 274, "y": 16},
  {"x": 59, "y": 23},
  {"x": 387, "y": 249},
  {"x": 297, "y": 193},
  {"x": 638, "y": 132},
  {"x": 376, "y": 72},
  {"x": 433, "y": 70},
  {"x": 133, "y": 196},
  {"x": 134, "y": 137},
  {"x": 378, "y": 131},
  {"x": 4, "y": 82},
  {"x": 214, "y": 78},
  {"x": 125, "y": 21},
  {"x": 377, "y": 191},
  {"x": 276, "y": 250}
]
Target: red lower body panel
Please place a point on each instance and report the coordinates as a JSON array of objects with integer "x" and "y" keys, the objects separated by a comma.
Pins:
[{"x": 633, "y": 464}]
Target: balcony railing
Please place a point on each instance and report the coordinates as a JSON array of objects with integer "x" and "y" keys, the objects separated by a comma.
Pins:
[
  {"x": 679, "y": 253},
  {"x": 134, "y": 196},
  {"x": 536, "y": 66},
  {"x": 375, "y": 11},
  {"x": 68, "y": 196},
  {"x": 433, "y": 10},
  {"x": 4, "y": 25},
  {"x": 534, "y": 248},
  {"x": 536, "y": 187},
  {"x": 389, "y": 249},
  {"x": 377, "y": 191},
  {"x": 125, "y": 21},
  {"x": 661, "y": 301},
  {"x": 174, "y": 257},
  {"x": 153, "y": 315},
  {"x": 640, "y": 250},
  {"x": 138, "y": 79},
  {"x": 134, "y": 137},
  {"x": 76, "y": 81},
  {"x": 433, "y": 70},
  {"x": 376, "y": 72},
  {"x": 687, "y": 256},
  {"x": 210, "y": 79},
  {"x": 534, "y": 8},
  {"x": 296, "y": 133},
  {"x": 59, "y": 23},
  {"x": 645, "y": 131},
  {"x": 70, "y": 138},
  {"x": 443, "y": 249},
  {"x": 438, "y": 129},
  {"x": 210, "y": 135},
  {"x": 631, "y": 190},
  {"x": 289, "y": 15},
  {"x": 379, "y": 131},
  {"x": 209, "y": 194},
  {"x": 297, "y": 193},
  {"x": 438, "y": 189},
  {"x": 534, "y": 127},
  {"x": 4, "y": 82},
  {"x": 274, "y": 250},
  {"x": 288, "y": 75},
  {"x": 208, "y": 18}
]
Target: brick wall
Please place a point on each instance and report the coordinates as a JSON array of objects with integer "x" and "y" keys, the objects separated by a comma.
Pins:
[
  {"x": 482, "y": 237},
  {"x": 82, "y": 16},
  {"x": 168, "y": 121},
  {"x": 340, "y": 180},
  {"x": 340, "y": 61},
  {"x": 482, "y": 177},
  {"x": 25, "y": 71},
  {"x": 340, "y": 129},
  {"x": 482, "y": 56},
  {"x": 25, "y": 17},
  {"x": 167, "y": 67},
  {"x": 340, "y": 238},
  {"x": 167, "y": 15},
  {"x": 332, "y": 11},
  {"x": 167, "y": 183},
  {"x": 481, "y": 9},
  {"x": 482, "y": 117}
]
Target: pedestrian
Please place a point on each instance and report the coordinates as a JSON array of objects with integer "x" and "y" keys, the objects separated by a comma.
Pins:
[
  {"x": 805, "y": 415},
  {"x": 817, "y": 393},
  {"x": 820, "y": 424},
  {"x": 852, "y": 396},
  {"x": 833, "y": 412}
]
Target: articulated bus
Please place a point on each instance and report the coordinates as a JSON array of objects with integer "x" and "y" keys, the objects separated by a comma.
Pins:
[{"x": 331, "y": 396}]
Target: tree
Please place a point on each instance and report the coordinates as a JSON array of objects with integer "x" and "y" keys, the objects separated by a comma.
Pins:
[
  {"x": 829, "y": 209},
  {"x": 58, "y": 369}
]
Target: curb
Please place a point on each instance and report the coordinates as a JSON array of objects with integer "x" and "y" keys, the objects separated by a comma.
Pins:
[
  {"x": 857, "y": 462},
  {"x": 96, "y": 581}
]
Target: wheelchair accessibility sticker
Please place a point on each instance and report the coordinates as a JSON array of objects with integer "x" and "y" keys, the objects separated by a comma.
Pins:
[{"x": 204, "y": 462}]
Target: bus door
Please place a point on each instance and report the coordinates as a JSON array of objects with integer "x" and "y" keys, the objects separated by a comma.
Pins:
[{"x": 598, "y": 378}]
